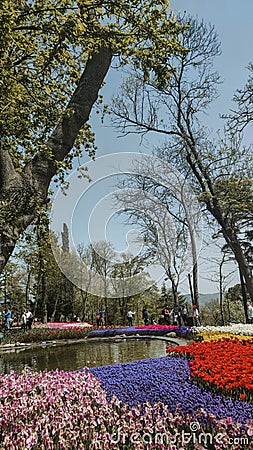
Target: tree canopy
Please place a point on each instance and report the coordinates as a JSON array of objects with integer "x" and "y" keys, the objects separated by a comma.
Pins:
[
  {"x": 54, "y": 58},
  {"x": 45, "y": 46}
]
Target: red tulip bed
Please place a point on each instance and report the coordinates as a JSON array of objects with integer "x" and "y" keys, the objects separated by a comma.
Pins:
[{"x": 225, "y": 366}]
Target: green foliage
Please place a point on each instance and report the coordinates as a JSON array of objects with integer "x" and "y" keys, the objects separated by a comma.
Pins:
[
  {"x": 210, "y": 313},
  {"x": 44, "y": 48},
  {"x": 235, "y": 196},
  {"x": 12, "y": 293},
  {"x": 166, "y": 298},
  {"x": 233, "y": 311}
]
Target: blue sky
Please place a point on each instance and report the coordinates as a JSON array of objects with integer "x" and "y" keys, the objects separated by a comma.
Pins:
[{"x": 233, "y": 23}]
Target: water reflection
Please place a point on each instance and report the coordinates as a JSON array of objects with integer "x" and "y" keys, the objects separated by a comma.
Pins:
[{"x": 76, "y": 356}]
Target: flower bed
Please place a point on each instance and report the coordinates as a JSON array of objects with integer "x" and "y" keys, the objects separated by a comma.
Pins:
[
  {"x": 235, "y": 328},
  {"x": 153, "y": 330},
  {"x": 225, "y": 364},
  {"x": 64, "y": 325},
  {"x": 157, "y": 327},
  {"x": 167, "y": 380},
  {"x": 215, "y": 335},
  {"x": 65, "y": 331},
  {"x": 45, "y": 334},
  {"x": 143, "y": 405},
  {"x": 57, "y": 410}
]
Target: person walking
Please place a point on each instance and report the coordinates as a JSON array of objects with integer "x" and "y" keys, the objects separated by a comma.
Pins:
[
  {"x": 250, "y": 312},
  {"x": 166, "y": 313},
  {"x": 179, "y": 316},
  {"x": 130, "y": 318},
  {"x": 102, "y": 317},
  {"x": 145, "y": 316},
  {"x": 98, "y": 319},
  {"x": 29, "y": 320},
  {"x": 185, "y": 314},
  {"x": 174, "y": 313},
  {"x": 8, "y": 319},
  {"x": 23, "y": 321},
  {"x": 196, "y": 321}
]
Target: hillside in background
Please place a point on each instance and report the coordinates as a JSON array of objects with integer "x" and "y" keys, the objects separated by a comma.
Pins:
[{"x": 204, "y": 298}]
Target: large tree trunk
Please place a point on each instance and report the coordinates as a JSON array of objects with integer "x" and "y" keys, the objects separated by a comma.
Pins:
[
  {"x": 244, "y": 297},
  {"x": 43, "y": 298},
  {"x": 221, "y": 290},
  {"x": 21, "y": 193},
  {"x": 55, "y": 307},
  {"x": 195, "y": 264}
]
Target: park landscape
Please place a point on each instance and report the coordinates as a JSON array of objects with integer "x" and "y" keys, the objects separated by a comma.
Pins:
[{"x": 190, "y": 197}]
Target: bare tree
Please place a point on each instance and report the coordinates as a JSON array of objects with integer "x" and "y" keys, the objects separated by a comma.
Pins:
[
  {"x": 85, "y": 254},
  {"x": 160, "y": 202},
  {"x": 242, "y": 115},
  {"x": 175, "y": 110}
]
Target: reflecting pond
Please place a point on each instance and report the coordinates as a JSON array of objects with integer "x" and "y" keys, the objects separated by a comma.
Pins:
[{"x": 75, "y": 356}]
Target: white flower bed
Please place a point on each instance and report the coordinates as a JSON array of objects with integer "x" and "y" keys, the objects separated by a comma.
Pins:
[{"x": 234, "y": 328}]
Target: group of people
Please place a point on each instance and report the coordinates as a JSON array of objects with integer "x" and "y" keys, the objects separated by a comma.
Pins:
[
  {"x": 179, "y": 315},
  {"x": 145, "y": 317},
  {"x": 26, "y": 320}
]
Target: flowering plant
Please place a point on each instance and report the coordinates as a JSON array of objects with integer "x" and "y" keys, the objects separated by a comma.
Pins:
[
  {"x": 235, "y": 328},
  {"x": 215, "y": 335},
  {"x": 234, "y": 377},
  {"x": 57, "y": 410},
  {"x": 140, "y": 330},
  {"x": 45, "y": 334}
]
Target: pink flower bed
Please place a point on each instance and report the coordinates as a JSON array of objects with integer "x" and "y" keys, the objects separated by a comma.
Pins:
[{"x": 63, "y": 325}]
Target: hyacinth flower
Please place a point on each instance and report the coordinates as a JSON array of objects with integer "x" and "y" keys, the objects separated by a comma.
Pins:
[{"x": 167, "y": 380}]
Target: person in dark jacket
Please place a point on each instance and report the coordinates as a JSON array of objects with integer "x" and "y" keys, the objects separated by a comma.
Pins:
[{"x": 145, "y": 316}]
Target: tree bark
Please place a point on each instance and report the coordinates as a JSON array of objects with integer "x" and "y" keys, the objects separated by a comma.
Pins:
[
  {"x": 244, "y": 297},
  {"x": 21, "y": 193},
  {"x": 221, "y": 290}
]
